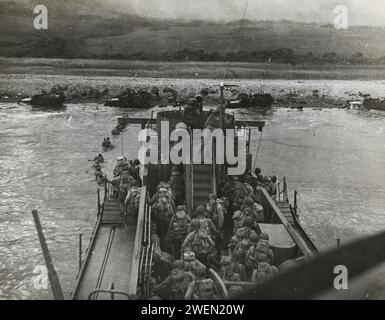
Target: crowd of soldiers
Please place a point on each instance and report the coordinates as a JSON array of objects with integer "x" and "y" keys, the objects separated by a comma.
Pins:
[
  {"x": 221, "y": 234},
  {"x": 100, "y": 176},
  {"x": 127, "y": 184}
]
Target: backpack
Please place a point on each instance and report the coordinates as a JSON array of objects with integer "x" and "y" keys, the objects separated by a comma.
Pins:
[
  {"x": 204, "y": 289},
  {"x": 179, "y": 226},
  {"x": 200, "y": 246}
]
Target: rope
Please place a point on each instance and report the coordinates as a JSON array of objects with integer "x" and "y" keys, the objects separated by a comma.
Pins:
[
  {"x": 244, "y": 13},
  {"x": 256, "y": 156}
]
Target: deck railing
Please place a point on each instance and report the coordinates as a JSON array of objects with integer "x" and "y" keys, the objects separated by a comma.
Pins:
[{"x": 112, "y": 292}]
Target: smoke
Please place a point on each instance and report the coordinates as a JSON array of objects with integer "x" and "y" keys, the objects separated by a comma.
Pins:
[{"x": 370, "y": 12}]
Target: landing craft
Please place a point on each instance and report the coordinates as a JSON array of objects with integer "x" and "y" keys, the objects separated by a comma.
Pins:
[
  {"x": 120, "y": 260},
  {"x": 45, "y": 100},
  {"x": 374, "y": 104}
]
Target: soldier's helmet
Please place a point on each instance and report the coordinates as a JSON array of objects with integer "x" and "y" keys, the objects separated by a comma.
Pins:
[
  {"x": 200, "y": 210},
  {"x": 264, "y": 236},
  {"x": 199, "y": 98},
  {"x": 181, "y": 125},
  {"x": 189, "y": 256},
  {"x": 249, "y": 201},
  {"x": 254, "y": 237},
  {"x": 180, "y": 210},
  {"x": 200, "y": 270},
  {"x": 213, "y": 196},
  {"x": 258, "y": 207},
  {"x": 245, "y": 243}
]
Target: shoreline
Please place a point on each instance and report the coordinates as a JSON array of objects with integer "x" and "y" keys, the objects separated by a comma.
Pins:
[{"x": 96, "y": 89}]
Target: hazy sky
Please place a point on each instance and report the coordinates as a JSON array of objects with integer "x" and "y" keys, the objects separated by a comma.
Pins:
[{"x": 362, "y": 12}]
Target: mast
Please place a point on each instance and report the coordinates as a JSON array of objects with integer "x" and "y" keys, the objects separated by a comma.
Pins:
[
  {"x": 221, "y": 106},
  {"x": 222, "y": 111}
]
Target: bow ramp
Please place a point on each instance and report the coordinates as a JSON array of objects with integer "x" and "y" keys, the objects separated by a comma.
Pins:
[{"x": 111, "y": 265}]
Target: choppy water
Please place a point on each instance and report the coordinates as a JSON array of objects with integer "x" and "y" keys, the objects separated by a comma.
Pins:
[{"x": 335, "y": 158}]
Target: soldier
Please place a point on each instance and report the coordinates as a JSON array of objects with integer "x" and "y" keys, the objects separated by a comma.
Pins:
[
  {"x": 125, "y": 183},
  {"x": 225, "y": 267},
  {"x": 233, "y": 290},
  {"x": 237, "y": 266},
  {"x": 201, "y": 288},
  {"x": 162, "y": 214},
  {"x": 175, "y": 286},
  {"x": 201, "y": 244},
  {"x": 239, "y": 218},
  {"x": 193, "y": 112},
  {"x": 176, "y": 183},
  {"x": 250, "y": 261},
  {"x": 250, "y": 189},
  {"x": 163, "y": 191},
  {"x": 241, "y": 233},
  {"x": 263, "y": 252},
  {"x": 263, "y": 272},
  {"x": 272, "y": 187},
  {"x": 215, "y": 212},
  {"x": 132, "y": 199},
  {"x": 178, "y": 230},
  {"x": 190, "y": 262},
  {"x": 242, "y": 248},
  {"x": 206, "y": 223}
]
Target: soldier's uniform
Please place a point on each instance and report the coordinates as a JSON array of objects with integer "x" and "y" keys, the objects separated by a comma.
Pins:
[
  {"x": 215, "y": 212},
  {"x": 175, "y": 286},
  {"x": 201, "y": 244},
  {"x": 176, "y": 184},
  {"x": 178, "y": 230},
  {"x": 239, "y": 219},
  {"x": 202, "y": 288},
  {"x": 162, "y": 214},
  {"x": 190, "y": 262},
  {"x": 263, "y": 272},
  {"x": 263, "y": 252}
]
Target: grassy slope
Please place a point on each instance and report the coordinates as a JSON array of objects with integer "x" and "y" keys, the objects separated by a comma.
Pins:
[
  {"x": 192, "y": 70},
  {"x": 90, "y": 29}
]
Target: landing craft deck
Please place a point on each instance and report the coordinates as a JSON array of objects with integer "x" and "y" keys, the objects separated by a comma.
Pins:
[
  {"x": 120, "y": 260},
  {"x": 110, "y": 262},
  {"x": 110, "y": 259}
]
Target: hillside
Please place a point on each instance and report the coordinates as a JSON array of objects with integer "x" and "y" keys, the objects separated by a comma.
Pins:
[{"x": 92, "y": 29}]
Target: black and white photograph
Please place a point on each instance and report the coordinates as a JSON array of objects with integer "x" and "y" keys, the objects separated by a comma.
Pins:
[{"x": 189, "y": 156}]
